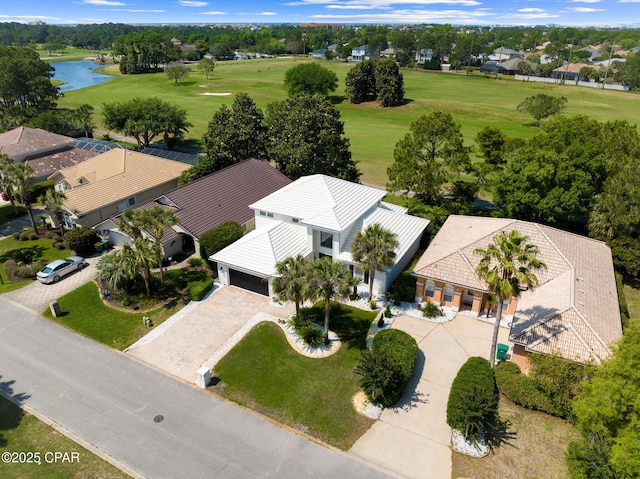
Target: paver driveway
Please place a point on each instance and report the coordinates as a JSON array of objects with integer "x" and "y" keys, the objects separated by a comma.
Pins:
[
  {"x": 37, "y": 296},
  {"x": 180, "y": 346},
  {"x": 413, "y": 438}
]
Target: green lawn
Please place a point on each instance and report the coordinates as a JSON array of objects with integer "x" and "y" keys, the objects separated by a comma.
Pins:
[
  {"x": 43, "y": 249},
  {"x": 534, "y": 447},
  {"x": 84, "y": 312},
  {"x": 21, "y": 432},
  {"x": 474, "y": 101},
  {"x": 264, "y": 373},
  {"x": 632, "y": 296}
]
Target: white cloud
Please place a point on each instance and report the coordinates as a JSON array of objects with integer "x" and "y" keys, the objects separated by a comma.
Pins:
[
  {"x": 385, "y": 4},
  {"x": 628, "y": 1},
  {"x": 266, "y": 14},
  {"x": 188, "y": 3},
  {"x": 134, "y": 10},
  {"x": 584, "y": 9},
  {"x": 104, "y": 3},
  {"x": 213, "y": 13},
  {"x": 530, "y": 16},
  {"x": 531, "y": 10},
  {"x": 410, "y": 16},
  {"x": 585, "y": 1}
]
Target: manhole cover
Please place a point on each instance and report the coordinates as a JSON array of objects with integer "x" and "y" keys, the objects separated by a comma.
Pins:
[{"x": 158, "y": 418}]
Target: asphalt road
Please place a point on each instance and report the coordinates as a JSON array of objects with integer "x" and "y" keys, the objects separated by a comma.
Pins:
[{"x": 115, "y": 404}]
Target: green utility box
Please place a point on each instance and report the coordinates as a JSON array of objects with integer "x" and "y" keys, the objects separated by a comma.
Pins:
[{"x": 502, "y": 351}]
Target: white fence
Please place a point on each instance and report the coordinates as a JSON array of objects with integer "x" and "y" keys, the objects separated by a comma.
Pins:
[{"x": 558, "y": 81}]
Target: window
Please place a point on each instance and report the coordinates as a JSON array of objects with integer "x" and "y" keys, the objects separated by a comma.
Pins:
[
  {"x": 447, "y": 297},
  {"x": 326, "y": 240},
  {"x": 429, "y": 289},
  {"x": 131, "y": 201},
  {"x": 263, "y": 213},
  {"x": 266, "y": 213},
  {"x": 295, "y": 220}
]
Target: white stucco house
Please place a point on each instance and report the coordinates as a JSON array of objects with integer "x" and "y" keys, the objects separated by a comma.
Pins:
[{"x": 316, "y": 216}]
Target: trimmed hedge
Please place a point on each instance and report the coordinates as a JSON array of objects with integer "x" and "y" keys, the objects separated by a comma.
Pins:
[
  {"x": 403, "y": 287},
  {"x": 198, "y": 289},
  {"x": 215, "y": 239},
  {"x": 387, "y": 368},
  {"x": 82, "y": 240},
  {"x": 521, "y": 389},
  {"x": 473, "y": 400}
]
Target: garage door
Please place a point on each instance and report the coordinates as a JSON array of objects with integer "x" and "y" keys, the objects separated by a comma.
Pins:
[{"x": 249, "y": 281}]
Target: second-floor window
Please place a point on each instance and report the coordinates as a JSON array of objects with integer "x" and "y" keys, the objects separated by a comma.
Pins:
[{"x": 326, "y": 240}]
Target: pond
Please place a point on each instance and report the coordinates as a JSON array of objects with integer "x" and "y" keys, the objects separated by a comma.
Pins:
[{"x": 78, "y": 74}]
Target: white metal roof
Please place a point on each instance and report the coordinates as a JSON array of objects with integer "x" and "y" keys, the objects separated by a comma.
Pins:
[
  {"x": 260, "y": 250},
  {"x": 322, "y": 201},
  {"x": 407, "y": 229}
]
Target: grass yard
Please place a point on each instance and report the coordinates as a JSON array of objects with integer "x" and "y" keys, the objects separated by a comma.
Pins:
[
  {"x": 84, "y": 312},
  {"x": 633, "y": 301},
  {"x": 534, "y": 448},
  {"x": 264, "y": 373},
  {"x": 475, "y": 101},
  {"x": 43, "y": 249},
  {"x": 20, "y": 431}
]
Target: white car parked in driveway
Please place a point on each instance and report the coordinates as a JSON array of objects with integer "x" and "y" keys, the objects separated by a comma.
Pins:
[{"x": 55, "y": 270}]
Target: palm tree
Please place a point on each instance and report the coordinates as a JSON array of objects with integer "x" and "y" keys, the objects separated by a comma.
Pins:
[
  {"x": 111, "y": 272},
  {"x": 131, "y": 223},
  {"x": 155, "y": 220},
  {"x": 506, "y": 267},
  {"x": 374, "y": 248},
  {"x": 6, "y": 183},
  {"x": 83, "y": 115},
  {"x": 328, "y": 280},
  {"x": 291, "y": 283},
  {"x": 139, "y": 257},
  {"x": 52, "y": 201},
  {"x": 22, "y": 178}
]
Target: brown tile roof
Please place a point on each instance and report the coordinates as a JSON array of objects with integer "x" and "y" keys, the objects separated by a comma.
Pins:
[
  {"x": 222, "y": 196},
  {"x": 47, "y": 163},
  {"x": 114, "y": 176},
  {"x": 22, "y": 141},
  {"x": 575, "y": 307}
]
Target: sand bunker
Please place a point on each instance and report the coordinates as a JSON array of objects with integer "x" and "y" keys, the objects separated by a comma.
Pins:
[{"x": 215, "y": 94}]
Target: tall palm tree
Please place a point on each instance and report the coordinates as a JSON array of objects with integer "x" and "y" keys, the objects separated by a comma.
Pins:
[
  {"x": 329, "y": 279},
  {"x": 139, "y": 257},
  {"x": 155, "y": 220},
  {"x": 52, "y": 201},
  {"x": 291, "y": 284},
  {"x": 6, "y": 183},
  {"x": 131, "y": 223},
  {"x": 83, "y": 115},
  {"x": 506, "y": 266},
  {"x": 374, "y": 248},
  {"x": 22, "y": 178}
]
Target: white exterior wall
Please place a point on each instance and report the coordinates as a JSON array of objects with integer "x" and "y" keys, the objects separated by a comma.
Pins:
[{"x": 397, "y": 268}]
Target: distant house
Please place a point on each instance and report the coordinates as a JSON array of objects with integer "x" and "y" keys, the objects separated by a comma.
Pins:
[
  {"x": 574, "y": 311},
  {"x": 508, "y": 67},
  {"x": 224, "y": 195},
  {"x": 110, "y": 183},
  {"x": 501, "y": 54},
  {"x": 316, "y": 216},
  {"x": 424, "y": 55},
  {"x": 569, "y": 72},
  {"x": 360, "y": 53},
  {"x": 318, "y": 53},
  {"x": 46, "y": 152}
]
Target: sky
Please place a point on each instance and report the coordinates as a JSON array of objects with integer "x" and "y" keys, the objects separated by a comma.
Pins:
[{"x": 467, "y": 12}]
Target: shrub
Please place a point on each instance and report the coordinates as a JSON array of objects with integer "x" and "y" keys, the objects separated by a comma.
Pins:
[
  {"x": 23, "y": 237},
  {"x": 32, "y": 236},
  {"x": 16, "y": 235},
  {"x": 56, "y": 238},
  {"x": 9, "y": 267},
  {"x": 301, "y": 319},
  {"x": 590, "y": 458},
  {"x": 198, "y": 289},
  {"x": 82, "y": 240},
  {"x": 312, "y": 335},
  {"x": 404, "y": 287},
  {"x": 25, "y": 255},
  {"x": 430, "y": 310},
  {"x": 387, "y": 368},
  {"x": 473, "y": 399},
  {"x": 49, "y": 234},
  {"x": 195, "y": 262},
  {"x": 373, "y": 304},
  {"x": 219, "y": 237},
  {"x": 59, "y": 245},
  {"x": 521, "y": 389},
  {"x": 40, "y": 188}
]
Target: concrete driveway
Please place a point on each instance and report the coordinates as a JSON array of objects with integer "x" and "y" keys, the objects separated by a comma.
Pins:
[
  {"x": 37, "y": 296},
  {"x": 413, "y": 438},
  {"x": 184, "y": 342}
]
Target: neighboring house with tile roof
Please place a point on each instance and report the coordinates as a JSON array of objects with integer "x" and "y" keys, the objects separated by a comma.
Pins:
[
  {"x": 109, "y": 183},
  {"x": 205, "y": 203},
  {"x": 574, "y": 310},
  {"x": 46, "y": 152},
  {"x": 316, "y": 216}
]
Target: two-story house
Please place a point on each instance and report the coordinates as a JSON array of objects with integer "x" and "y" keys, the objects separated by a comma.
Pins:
[
  {"x": 360, "y": 53},
  {"x": 316, "y": 216}
]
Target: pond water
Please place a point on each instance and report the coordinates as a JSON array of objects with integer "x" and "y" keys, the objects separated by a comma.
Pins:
[{"x": 78, "y": 74}]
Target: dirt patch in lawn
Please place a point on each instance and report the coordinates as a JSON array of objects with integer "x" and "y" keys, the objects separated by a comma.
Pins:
[{"x": 535, "y": 447}]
